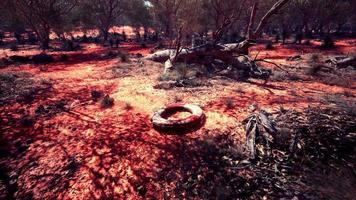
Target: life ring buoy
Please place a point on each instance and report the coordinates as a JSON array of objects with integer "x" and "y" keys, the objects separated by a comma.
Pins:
[{"x": 195, "y": 121}]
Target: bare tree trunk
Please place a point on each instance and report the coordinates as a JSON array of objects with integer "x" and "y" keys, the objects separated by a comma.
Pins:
[
  {"x": 252, "y": 19},
  {"x": 105, "y": 33},
  {"x": 45, "y": 43},
  {"x": 168, "y": 30},
  {"x": 44, "y": 38}
]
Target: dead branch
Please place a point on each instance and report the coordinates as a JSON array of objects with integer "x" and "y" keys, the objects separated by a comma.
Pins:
[
  {"x": 275, "y": 8},
  {"x": 178, "y": 45},
  {"x": 349, "y": 61},
  {"x": 252, "y": 19},
  {"x": 259, "y": 125}
]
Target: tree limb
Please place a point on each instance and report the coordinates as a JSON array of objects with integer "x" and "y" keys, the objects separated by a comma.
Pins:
[{"x": 279, "y": 4}]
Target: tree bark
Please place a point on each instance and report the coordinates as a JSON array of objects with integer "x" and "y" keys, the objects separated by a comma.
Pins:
[
  {"x": 45, "y": 44},
  {"x": 350, "y": 61},
  {"x": 252, "y": 19},
  {"x": 205, "y": 54},
  {"x": 44, "y": 39},
  {"x": 105, "y": 34}
]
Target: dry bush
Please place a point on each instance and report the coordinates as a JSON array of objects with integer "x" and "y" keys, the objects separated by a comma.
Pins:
[
  {"x": 42, "y": 58},
  {"x": 334, "y": 80},
  {"x": 20, "y": 59},
  {"x": 96, "y": 95},
  {"x": 107, "y": 102},
  {"x": 26, "y": 96},
  {"x": 311, "y": 144},
  {"x": 63, "y": 57},
  {"x": 328, "y": 43},
  {"x": 121, "y": 70},
  {"x": 313, "y": 70},
  {"x": 315, "y": 64},
  {"x": 327, "y": 75},
  {"x": 111, "y": 55},
  {"x": 177, "y": 99},
  {"x": 183, "y": 83},
  {"x": 239, "y": 90},
  {"x": 27, "y": 121},
  {"x": 341, "y": 104},
  {"x": 230, "y": 104},
  {"x": 269, "y": 45},
  {"x": 213, "y": 157},
  {"x": 124, "y": 57},
  {"x": 169, "y": 77},
  {"x": 166, "y": 85},
  {"x": 4, "y": 62},
  {"x": 14, "y": 47},
  {"x": 280, "y": 76},
  {"x": 307, "y": 42},
  {"x": 314, "y": 58},
  {"x": 348, "y": 93},
  {"x": 138, "y": 55},
  {"x": 69, "y": 45},
  {"x": 21, "y": 87},
  {"x": 343, "y": 78},
  {"x": 52, "y": 109},
  {"x": 182, "y": 71},
  {"x": 128, "y": 106}
]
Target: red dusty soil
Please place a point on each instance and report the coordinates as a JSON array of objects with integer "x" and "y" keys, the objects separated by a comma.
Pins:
[{"x": 94, "y": 153}]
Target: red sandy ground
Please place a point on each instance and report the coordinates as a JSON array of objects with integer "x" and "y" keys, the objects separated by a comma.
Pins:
[{"x": 116, "y": 150}]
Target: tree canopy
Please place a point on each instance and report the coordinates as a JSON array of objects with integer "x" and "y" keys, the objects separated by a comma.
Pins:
[{"x": 167, "y": 16}]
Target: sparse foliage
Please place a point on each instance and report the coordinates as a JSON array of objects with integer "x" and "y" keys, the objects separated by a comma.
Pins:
[
  {"x": 104, "y": 13},
  {"x": 41, "y": 16}
]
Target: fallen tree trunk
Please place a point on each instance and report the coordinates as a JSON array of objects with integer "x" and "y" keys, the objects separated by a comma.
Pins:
[
  {"x": 197, "y": 54},
  {"x": 350, "y": 61},
  {"x": 226, "y": 55}
]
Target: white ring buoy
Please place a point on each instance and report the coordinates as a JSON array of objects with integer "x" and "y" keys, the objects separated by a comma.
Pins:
[{"x": 161, "y": 123}]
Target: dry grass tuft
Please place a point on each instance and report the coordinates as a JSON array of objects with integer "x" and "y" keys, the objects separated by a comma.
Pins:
[
  {"x": 230, "y": 104},
  {"x": 107, "y": 102}
]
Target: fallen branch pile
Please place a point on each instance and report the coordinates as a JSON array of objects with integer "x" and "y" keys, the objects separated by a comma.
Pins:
[
  {"x": 225, "y": 54},
  {"x": 211, "y": 54}
]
